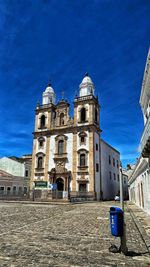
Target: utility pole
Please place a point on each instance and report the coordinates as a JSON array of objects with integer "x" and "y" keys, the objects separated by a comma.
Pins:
[{"x": 123, "y": 246}]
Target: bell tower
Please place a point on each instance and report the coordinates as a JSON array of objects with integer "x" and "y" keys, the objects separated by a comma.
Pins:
[
  {"x": 44, "y": 121},
  {"x": 87, "y": 140},
  {"x": 86, "y": 106}
]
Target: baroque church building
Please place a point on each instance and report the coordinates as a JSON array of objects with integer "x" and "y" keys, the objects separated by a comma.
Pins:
[{"x": 66, "y": 159}]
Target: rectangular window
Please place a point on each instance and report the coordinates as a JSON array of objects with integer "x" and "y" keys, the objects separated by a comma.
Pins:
[
  {"x": 82, "y": 160},
  {"x": 114, "y": 176},
  {"x": 8, "y": 190},
  {"x": 25, "y": 190},
  {"x": 97, "y": 167},
  {"x": 26, "y": 173},
  {"x": 113, "y": 162},
  {"x": 20, "y": 190},
  {"x": 82, "y": 187},
  {"x": 82, "y": 139},
  {"x": 2, "y": 190},
  {"x": 14, "y": 190},
  {"x": 109, "y": 159},
  {"x": 118, "y": 177},
  {"x": 96, "y": 147},
  {"x": 61, "y": 147},
  {"x": 110, "y": 175},
  {"x": 117, "y": 164}
]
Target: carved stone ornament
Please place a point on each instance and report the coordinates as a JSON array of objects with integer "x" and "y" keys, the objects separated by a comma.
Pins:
[
  {"x": 60, "y": 166},
  {"x": 59, "y": 111}
]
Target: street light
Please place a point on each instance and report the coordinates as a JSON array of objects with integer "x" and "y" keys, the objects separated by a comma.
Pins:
[{"x": 123, "y": 246}]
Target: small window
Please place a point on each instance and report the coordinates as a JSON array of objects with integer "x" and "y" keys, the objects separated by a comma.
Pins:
[
  {"x": 26, "y": 173},
  {"x": 25, "y": 190},
  {"x": 110, "y": 175},
  {"x": 14, "y": 190},
  {"x": 113, "y": 162},
  {"x": 2, "y": 190},
  {"x": 40, "y": 162},
  {"x": 42, "y": 121},
  {"x": 60, "y": 147},
  {"x": 117, "y": 164},
  {"x": 109, "y": 159},
  {"x": 8, "y": 190},
  {"x": 82, "y": 139},
  {"x": 61, "y": 119},
  {"x": 20, "y": 190},
  {"x": 41, "y": 143},
  {"x": 83, "y": 115},
  {"x": 82, "y": 187},
  {"x": 97, "y": 167},
  {"x": 124, "y": 180},
  {"x": 118, "y": 177},
  {"x": 82, "y": 160},
  {"x": 96, "y": 147},
  {"x": 114, "y": 176}
]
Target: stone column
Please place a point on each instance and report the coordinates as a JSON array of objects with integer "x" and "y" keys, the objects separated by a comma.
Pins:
[
  {"x": 47, "y": 158},
  {"x": 74, "y": 171},
  {"x": 91, "y": 162}
]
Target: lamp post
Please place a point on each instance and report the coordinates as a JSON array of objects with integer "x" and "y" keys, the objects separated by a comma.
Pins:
[
  {"x": 123, "y": 246},
  {"x": 33, "y": 193}
]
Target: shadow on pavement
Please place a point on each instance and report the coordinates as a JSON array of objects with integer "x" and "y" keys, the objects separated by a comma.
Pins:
[{"x": 133, "y": 253}]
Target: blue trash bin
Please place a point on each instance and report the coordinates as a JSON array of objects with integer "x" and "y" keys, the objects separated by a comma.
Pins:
[{"x": 116, "y": 221}]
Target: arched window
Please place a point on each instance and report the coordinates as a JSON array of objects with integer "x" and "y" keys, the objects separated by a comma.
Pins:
[
  {"x": 40, "y": 162},
  {"x": 42, "y": 121},
  {"x": 82, "y": 159},
  {"x": 83, "y": 115},
  {"x": 62, "y": 119},
  {"x": 60, "y": 147}
]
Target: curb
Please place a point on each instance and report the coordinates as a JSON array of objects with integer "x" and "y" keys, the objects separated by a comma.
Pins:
[
  {"x": 140, "y": 228},
  {"x": 34, "y": 202}
]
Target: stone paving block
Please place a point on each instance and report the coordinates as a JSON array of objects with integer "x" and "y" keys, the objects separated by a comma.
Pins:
[{"x": 64, "y": 235}]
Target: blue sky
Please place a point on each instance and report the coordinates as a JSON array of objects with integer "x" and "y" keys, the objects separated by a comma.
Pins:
[{"x": 60, "y": 41}]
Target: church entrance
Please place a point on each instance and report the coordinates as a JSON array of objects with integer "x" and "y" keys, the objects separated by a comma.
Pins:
[
  {"x": 60, "y": 188},
  {"x": 60, "y": 184}
]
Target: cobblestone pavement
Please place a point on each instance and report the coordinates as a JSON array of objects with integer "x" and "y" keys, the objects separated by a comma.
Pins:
[
  {"x": 65, "y": 235},
  {"x": 142, "y": 218}
]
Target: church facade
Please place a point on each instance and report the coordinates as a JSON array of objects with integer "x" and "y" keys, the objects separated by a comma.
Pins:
[{"x": 66, "y": 151}]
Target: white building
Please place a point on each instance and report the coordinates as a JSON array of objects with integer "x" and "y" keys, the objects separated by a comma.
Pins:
[
  {"x": 125, "y": 176},
  {"x": 15, "y": 169},
  {"x": 67, "y": 151},
  {"x": 12, "y": 166},
  {"x": 139, "y": 180},
  {"x": 110, "y": 161}
]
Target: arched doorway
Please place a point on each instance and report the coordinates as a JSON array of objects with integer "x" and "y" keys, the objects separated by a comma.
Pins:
[{"x": 60, "y": 188}]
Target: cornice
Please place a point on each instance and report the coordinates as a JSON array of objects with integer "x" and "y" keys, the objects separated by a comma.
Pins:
[
  {"x": 138, "y": 170},
  {"x": 86, "y": 99},
  {"x": 70, "y": 129}
]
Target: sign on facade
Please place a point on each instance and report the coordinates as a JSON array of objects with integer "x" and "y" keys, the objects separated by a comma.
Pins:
[{"x": 41, "y": 184}]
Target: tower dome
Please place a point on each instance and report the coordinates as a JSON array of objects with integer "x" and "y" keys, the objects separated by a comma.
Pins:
[
  {"x": 49, "y": 89},
  {"x": 86, "y": 86},
  {"x": 49, "y": 95}
]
